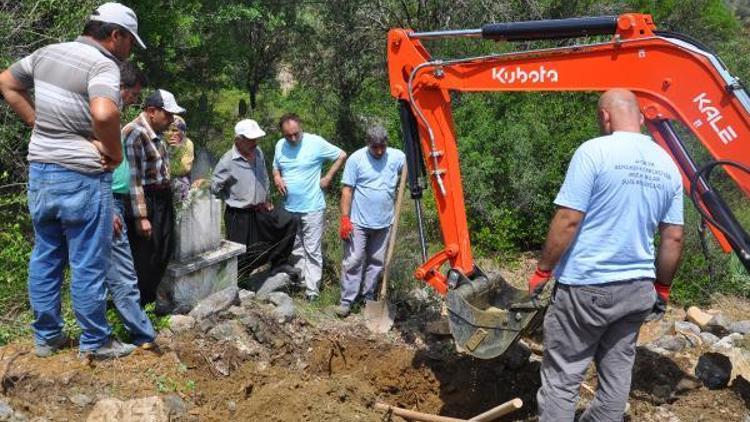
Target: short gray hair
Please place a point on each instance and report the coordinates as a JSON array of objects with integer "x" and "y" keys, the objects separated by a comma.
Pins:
[{"x": 376, "y": 135}]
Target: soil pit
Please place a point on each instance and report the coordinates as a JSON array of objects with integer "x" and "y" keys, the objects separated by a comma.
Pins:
[{"x": 335, "y": 371}]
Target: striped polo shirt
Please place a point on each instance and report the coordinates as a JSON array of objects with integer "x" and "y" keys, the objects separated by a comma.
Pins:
[{"x": 65, "y": 77}]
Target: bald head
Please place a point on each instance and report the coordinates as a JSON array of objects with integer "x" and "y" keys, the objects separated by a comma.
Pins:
[{"x": 619, "y": 111}]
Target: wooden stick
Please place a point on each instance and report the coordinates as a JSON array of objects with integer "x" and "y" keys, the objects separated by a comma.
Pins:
[
  {"x": 392, "y": 235},
  {"x": 413, "y": 415},
  {"x": 498, "y": 411}
]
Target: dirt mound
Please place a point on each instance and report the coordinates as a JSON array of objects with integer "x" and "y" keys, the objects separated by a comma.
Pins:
[{"x": 248, "y": 365}]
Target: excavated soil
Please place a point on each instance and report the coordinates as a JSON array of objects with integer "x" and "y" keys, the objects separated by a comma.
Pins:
[{"x": 323, "y": 369}]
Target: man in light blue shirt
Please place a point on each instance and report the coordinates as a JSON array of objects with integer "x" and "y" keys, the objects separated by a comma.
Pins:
[
  {"x": 370, "y": 178},
  {"x": 297, "y": 164},
  {"x": 619, "y": 190}
]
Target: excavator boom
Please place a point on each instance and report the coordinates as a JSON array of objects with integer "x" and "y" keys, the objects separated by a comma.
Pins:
[{"x": 674, "y": 78}]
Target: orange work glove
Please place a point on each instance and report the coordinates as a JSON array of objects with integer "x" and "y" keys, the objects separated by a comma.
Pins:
[
  {"x": 345, "y": 227},
  {"x": 662, "y": 297},
  {"x": 538, "y": 280},
  {"x": 662, "y": 290}
]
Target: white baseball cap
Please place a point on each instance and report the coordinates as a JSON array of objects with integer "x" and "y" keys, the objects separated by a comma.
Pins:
[
  {"x": 121, "y": 15},
  {"x": 249, "y": 129},
  {"x": 163, "y": 99}
]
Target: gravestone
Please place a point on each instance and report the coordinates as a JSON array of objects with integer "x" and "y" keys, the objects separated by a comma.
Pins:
[{"x": 203, "y": 262}]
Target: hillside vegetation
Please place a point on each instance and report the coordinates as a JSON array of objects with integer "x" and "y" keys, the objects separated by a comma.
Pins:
[{"x": 326, "y": 61}]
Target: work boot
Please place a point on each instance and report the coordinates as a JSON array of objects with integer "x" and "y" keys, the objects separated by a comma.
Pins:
[
  {"x": 343, "y": 311},
  {"x": 110, "y": 350},
  {"x": 48, "y": 349}
]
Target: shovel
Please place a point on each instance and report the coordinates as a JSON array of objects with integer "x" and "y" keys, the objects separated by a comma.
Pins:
[{"x": 379, "y": 314}]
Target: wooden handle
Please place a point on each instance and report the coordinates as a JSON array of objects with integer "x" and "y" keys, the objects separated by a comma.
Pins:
[
  {"x": 417, "y": 416},
  {"x": 497, "y": 411},
  {"x": 392, "y": 234}
]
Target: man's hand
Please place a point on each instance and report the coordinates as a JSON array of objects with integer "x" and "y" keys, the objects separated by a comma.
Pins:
[
  {"x": 662, "y": 298},
  {"x": 117, "y": 226},
  {"x": 538, "y": 280},
  {"x": 107, "y": 163},
  {"x": 345, "y": 227},
  {"x": 280, "y": 185},
  {"x": 174, "y": 138},
  {"x": 268, "y": 206},
  {"x": 143, "y": 227},
  {"x": 325, "y": 182}
]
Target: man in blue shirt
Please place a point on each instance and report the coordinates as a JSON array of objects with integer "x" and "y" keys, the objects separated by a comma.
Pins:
[
  {"x": 297, "y": 164},
  {"x": 619, "y": 190},
  {"x": 370, "y": 178}
]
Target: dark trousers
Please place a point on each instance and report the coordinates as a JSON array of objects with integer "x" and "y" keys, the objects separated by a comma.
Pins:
[
  {"x": 151, "y": 255},
  {"x": 268, "y": 235}
]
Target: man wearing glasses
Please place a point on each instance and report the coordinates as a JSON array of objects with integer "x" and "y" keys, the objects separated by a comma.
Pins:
[{"x": 297, "y": 164}]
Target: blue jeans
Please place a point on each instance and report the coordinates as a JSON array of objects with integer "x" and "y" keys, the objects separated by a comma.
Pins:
[
  {"x": 123, "y": 285},
  {"x": 72, "y": 217}
]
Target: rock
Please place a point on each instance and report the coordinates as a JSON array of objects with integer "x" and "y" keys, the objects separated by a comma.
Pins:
[
  {"x": 284, "y": 305},
  {"x": 217, "y": 302},
  {"x": 662, "y": 414},
  {"x": 719, "y": 325},
  {"x": 674, "y": 343},
  {"x": 181, "y": 323},
  {"x": 726, "y": 343},
  {"x": 740, "y": 363},
  {"x": 7, "y": 414},
  {"x": 708, "y": 338},
  {"x": 234, "y": 332},
  {"x": 151, "y": 409},
  {"x": 686, "y": 384},
  {"x": 656, "y": 349},
  {"x": 245, "y": 295},
  {"x": 206, "y": 324},
  {"x": 741, "y": 327},
  {"x": 279, "y": 281},
  {"x": 80, "y": 400},
  {"x": 232, "y": 406},
  {"x": 237, "y": 311},
  {"x": 698, "y": 317},
  {"x": 714, "y": 369},
  {"x": 176, "y": 405},
  {"x": 227, "y": 330},
  {"x": 685, "y": 327},
  {"x": 419, "y": 294}
]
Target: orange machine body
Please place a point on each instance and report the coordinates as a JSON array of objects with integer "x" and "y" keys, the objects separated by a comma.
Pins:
[{"x": 672, "y": 80}]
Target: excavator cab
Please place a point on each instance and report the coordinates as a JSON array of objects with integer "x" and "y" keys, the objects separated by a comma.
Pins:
[{"x": 674, "y": 78}]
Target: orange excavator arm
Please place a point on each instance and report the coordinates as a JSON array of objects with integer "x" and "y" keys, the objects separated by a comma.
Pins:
[{"x": 674, "y": 78}]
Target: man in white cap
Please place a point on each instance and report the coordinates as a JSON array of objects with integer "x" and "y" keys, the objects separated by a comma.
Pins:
[
  {"x": 150, "y": 216},
  {"x": 76, "y": 87},
  {"x": 241, "y": 179}
]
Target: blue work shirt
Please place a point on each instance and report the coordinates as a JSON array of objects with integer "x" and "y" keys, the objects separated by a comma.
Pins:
[
  {"x": 626, "y": 185},
  {"x": 374, "y": 183},
  {"x": 300, "y": 166}
]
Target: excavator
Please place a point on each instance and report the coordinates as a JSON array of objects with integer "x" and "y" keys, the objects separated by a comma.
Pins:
[{"x": 676, "y": 79}]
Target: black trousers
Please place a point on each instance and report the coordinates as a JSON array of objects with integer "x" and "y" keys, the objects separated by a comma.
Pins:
[
  {"x": 151, "y": 255},
  {"x": 268, "y": 235}
]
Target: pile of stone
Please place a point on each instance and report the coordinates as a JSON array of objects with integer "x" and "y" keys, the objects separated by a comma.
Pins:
[
  {"x": 723, "y": 343},
  {"x": 259, "y": 327}
]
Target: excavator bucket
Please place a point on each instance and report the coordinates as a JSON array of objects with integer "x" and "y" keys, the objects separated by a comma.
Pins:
[{"x": 487, "y": 315}]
